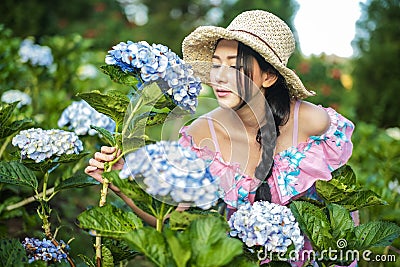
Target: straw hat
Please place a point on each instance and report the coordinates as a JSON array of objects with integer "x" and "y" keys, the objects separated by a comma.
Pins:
[{"x": 264, "y": 32}]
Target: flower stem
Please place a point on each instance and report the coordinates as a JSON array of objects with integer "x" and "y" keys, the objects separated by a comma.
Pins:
[
  {"x": 160, "y": 218},
  {"x": 29, "y": 199},
  {"x": 4, "y": 146}
]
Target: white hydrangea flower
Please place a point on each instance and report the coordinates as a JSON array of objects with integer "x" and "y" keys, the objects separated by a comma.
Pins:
[
  {"x": 39, "y": 144},
  {"x": 12, "y": 96},
  {"x": 266, "y": 224},
  {"x": 80, "y": 115}
]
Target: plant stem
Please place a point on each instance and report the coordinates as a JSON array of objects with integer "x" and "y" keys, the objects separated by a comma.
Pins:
[
  {"x": 4, "y": 146},
  {"x": 160, "y": 218},
  {"x": 29, "y": 200}
]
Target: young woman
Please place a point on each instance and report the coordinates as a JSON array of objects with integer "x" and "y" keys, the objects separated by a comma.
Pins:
[{"x": 269, "y": 144}]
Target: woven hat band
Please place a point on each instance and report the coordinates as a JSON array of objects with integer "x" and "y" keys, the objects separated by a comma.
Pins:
[{"x": 259, "y": 38}]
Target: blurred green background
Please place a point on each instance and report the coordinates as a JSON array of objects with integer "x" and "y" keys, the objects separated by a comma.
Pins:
[{"x": 364, "y": 88}]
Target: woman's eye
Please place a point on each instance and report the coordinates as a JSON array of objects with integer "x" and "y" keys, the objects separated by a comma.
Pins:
[{"x": 215, "y": 66}]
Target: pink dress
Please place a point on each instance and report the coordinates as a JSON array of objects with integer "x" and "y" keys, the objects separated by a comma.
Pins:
[{"x": 294, "y": 171}]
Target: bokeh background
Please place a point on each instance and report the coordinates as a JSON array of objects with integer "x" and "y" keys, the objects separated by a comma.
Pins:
[{"x": 363, "y": 87}]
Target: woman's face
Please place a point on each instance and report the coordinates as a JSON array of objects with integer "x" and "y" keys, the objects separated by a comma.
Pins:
[{"x": 223, "y": 74}]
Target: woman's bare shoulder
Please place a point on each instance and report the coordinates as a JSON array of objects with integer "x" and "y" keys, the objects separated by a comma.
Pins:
[
  {"x": 199, "y": 128},
  {"x": 313, "y": 119}
]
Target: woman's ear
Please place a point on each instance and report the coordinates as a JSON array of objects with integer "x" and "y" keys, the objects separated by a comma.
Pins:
[{"x": 269, "y": 79}]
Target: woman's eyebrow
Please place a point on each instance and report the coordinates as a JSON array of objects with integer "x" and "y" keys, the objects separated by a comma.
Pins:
[{"x": 228, "y": 57}]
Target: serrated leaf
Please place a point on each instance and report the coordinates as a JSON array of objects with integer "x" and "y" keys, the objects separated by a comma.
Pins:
[
  {"x": 17, "y": 174},
  {"x": 178, "y": 244},
  {"x": 345, "y": 175},
  {"x": 109, "y": 221},
  {"x": 135, "y": 192},
  {"x": 110, "y": 104},
  {"x": 376, "y": 234},
  {"x": 341, "y": 222},
  {"x": 105, "y": 134},
  {"x": 12, "y": 253},
  {"x": 86, "y": 260},
  {"x": 119, "y": 76},
  {"x": 210, "y": 244},
  {"x": 151, "y": 243},
  {"x": 119, "y": 249},
  {"x": 6, "y": 111},
  {"x": 14, "y": 127},
  {"x": 180, "y": 220},
  {"x": 343, "y": 190},
  {"x": 53, "y": 162},
  {"x": 314, "y": 223},
  {"x": 78, "y": 180},
  {"x": 106, "y": 257}
]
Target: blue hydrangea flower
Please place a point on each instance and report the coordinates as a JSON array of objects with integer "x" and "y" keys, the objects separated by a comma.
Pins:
[
  {"x": 12, "y": 96},
  {"x": 266, "y": 224},
  {"x": 80, "y": 115},
  {"x": 154, "y": 62},
  {"x": 173, "y": 173},
  {"x": 45, "y": 250},
  {"x": 35, "y": 54},
  {"x": 39, "y": 144}
]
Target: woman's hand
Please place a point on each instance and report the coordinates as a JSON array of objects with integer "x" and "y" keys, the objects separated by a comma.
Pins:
[{"x": 96, "y": 164}]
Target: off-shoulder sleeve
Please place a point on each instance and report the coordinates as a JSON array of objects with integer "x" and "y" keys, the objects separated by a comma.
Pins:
[
  {"x": 296, "y": 169},
  {"x": 236, "y": 187}
]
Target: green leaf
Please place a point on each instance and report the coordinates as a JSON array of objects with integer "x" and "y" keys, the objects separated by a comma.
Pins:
[
  {"x": 6, "y": 111},
  {"x": 210, "y": 244},
  {"x": 314, "y": 223},
  {"x": 105, "y": 134},
  {"x": 14, "y": 127},
  {"x": 112, "y": 104},
  {"x": 376, "y": 234},
  {"x": 341, "y": 222},
  {"x": 119, "y": 76},
  {"x": 178, "y": 244},
  {"x": 86, "y": 260},
  {"x": 106, "y": 257},
  {"x": 151, "y": 243},
  {"x": 78, "y": 180},
  {"x": 17, "y": 174},
  {"x": 109, "y": 221},
  {"x": 119, "y": 249},
  {"x": 12, "y": 253},
  {"x": 343, "y": 190},
  {"x": 345, "y": 175},
  {"x": 52, "y": 163},
  {"x": 180, "y": 220},
  {"x": 134, "y": 191}
]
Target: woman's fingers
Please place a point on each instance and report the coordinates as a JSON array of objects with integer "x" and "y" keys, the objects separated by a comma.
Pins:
[
  {"x": 107, "y": 149},
  {"x": 96, "y": 163},
  {"x": 103, "y": 157}
]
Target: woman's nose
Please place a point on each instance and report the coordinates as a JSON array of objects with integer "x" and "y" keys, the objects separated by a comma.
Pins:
[{"x": 221, "y": 74}]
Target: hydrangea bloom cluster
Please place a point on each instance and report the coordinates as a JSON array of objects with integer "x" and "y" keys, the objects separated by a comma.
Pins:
[
  {"x": 152, "y": 62},
  {"x": 12, "y": 96},
  {"x": 45, "y": 250},
  {"x": 80, "y": 115},
  {"x": 36, "y": 54},
  {"x": 39, "y": 144},
  {"x": 266, "y": 224},
  {"x": 173, "y": 173}
]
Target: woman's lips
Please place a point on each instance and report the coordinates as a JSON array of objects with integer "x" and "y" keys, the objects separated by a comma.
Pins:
[{"x": 222, "y": 93}]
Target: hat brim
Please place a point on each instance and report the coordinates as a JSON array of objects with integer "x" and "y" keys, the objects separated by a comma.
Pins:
[{"x": 198, "y": 49}]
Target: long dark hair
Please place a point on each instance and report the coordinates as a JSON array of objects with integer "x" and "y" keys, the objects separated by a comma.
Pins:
[{"x": 277, "y": 96}]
